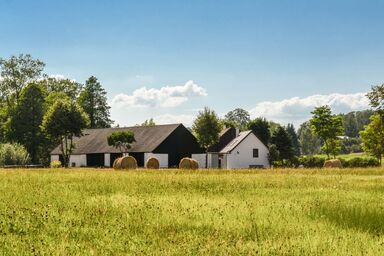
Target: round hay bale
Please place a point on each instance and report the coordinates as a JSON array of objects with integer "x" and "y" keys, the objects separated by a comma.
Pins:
[
  {"x": 128, "y": 162},
  {"x": 195, "y": 164},
  {"x": 116, "y": 164},
  {"x": 152, "y": 163},
  {"x": 185, "y": 163},
  {"x": 334, "y": 163}
]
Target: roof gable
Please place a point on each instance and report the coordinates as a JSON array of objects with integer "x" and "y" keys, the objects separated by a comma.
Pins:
[
  {"x": 225, "y": 137},
  {"x": 236, "y": 141}
]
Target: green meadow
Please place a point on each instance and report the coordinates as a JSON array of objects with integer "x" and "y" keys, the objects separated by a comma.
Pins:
[{"x": 174, "y": 212}]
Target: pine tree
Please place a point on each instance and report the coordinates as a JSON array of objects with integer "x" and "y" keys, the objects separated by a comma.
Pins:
[
  {"x": 283, "y": 143},
  {"x": 94, "y": 102},
  {"x": 295, "y": 141}
]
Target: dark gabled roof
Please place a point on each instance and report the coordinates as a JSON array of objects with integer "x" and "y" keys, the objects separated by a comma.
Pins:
[
  {"x": 225, "y": 137},
  {"x": 148, "y": 138},
  {"x": 236, "y": 141}
]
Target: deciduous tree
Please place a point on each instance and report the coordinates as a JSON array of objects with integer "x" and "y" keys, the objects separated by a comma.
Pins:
[
  {"x": 63, "y": 121},
  {"x": 148, "y": 122},
  {"x": 373, "y": 137},
  {"x": 16, "y": 73},
  {"x": 207, "y": 127},
  {"x": 65, "y": 86},
  {"x": 239, "y": 117},
  {"x": 121, "y": 140},
  {"x": 310, "y": 143},
  {"x": 327, "y": 127},
  {"x": 376, "y": 98},
  {"x": 260, "y": 127}
]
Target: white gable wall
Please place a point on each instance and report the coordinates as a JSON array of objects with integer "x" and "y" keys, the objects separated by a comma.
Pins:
[
  {"x": 107, "y": 160},
  {"x": 163, "y": 159},
  {"x": 242, "y": 155},
  {"x": 201, "y": 159},
  {"x": 55, "y": 157},
  {"x": 77, "y": 160}
]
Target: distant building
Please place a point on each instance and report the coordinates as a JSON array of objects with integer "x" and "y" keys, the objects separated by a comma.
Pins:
[
  {"x": 237, "y": 150},
  {"x": 168, "y": 143}
]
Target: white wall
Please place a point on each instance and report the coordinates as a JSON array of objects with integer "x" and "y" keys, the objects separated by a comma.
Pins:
[
  {"x": 107, "y": 160},
  {"x": 242, "y": 155},
  {"x": 79, "y": 160},
  {"x": 213, "y": 160},
  {"x": 224, "y": 162},
  {"x": 200, "y": 158},
  {"x": 163, "y": 159},
  {"x": 55, "y": 157}
]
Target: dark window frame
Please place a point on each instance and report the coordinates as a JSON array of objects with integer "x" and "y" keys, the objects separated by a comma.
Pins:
[{"x": 255, "y": 152}]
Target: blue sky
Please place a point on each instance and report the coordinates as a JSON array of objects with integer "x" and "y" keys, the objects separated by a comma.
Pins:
[{"x": 269, "y": 57}]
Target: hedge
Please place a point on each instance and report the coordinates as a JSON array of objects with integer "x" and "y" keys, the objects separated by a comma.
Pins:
[{"x": 318, "y": 162}]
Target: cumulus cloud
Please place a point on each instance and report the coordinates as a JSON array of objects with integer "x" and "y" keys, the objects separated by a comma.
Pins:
[
  {"x": 297, "y": 110},
  {"x": 167, "y": 96},
  {"x": 57, "y": 76},
  {"x": 187, "y": 120}
]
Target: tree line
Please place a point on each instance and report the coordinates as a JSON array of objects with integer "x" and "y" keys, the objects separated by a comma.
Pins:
[
  {"x": 40, "y": 112},
  {"x": 324, "y": 133}
]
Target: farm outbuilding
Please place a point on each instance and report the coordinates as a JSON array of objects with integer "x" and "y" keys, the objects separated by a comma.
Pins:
[
  {"x": 236, "y": 150},
  {"x": 167, "y": 143}
]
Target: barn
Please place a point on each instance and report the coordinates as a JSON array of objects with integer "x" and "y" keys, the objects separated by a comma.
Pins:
[
  {"x": 168, "y": 143},
  {"x": 237, "y": 150}
]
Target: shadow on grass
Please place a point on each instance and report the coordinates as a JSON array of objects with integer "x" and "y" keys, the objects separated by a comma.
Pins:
[{"x": 366, "y": 219}]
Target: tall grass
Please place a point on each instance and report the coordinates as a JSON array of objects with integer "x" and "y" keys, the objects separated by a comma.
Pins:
[{"x": 274, "y": 212}]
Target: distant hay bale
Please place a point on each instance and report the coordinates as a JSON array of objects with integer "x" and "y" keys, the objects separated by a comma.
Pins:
[
  {"x": 185, "y": 163},
  {"x": 188, "y": 164},
  {"x": 195, "y": 164},
  {"x": 152, "y": 163},
  {"x": 116, "y": 164},
  {"x": 128, "y": 162},
  {"x": 334, "y": 163}
]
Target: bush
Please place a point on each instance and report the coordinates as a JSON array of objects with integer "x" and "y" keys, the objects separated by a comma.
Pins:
[
  {"x": 360, "y": 162},
  {"x": 312, "y": 161},
  {"x": 56, "y": 164},
  {"x": 294, "y": 162},
  {"x": 318, "y": 162},
  {"x": 13, "y": 154}
]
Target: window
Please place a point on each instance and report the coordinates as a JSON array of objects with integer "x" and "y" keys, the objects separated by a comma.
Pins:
[{"x": 255, "y": 153}]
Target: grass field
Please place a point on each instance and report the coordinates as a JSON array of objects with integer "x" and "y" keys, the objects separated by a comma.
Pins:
[{"x": 274, "y": 212}]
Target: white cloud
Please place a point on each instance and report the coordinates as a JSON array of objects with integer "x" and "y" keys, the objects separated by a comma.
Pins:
[
  {"x": 57, "y": 76},
  {"x": 168, "y": 96},
  {"x": 187, "y": 120},
  {"x": 297, "y": 110}
]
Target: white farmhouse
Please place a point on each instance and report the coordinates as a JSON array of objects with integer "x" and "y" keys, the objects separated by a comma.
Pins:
[{"x": 237, "y": 150}]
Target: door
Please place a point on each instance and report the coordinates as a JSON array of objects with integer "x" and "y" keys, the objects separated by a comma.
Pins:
[{"x": 95, "y": 160}]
